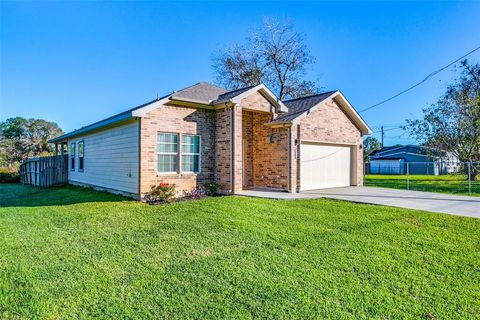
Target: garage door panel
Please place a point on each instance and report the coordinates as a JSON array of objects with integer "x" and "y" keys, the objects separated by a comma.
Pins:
[{"x": 324, "y": 166}]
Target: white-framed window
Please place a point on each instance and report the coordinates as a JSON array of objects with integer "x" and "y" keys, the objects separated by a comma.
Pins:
[
  {"x": 81, "y": 155},
  {"x": 72, "y": 156},
  {"x": 190, "y": 153},
  {"x": 167, "y": 152}
]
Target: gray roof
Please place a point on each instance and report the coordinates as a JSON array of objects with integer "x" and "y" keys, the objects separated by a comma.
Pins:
[
  {"x": 299, "y": 105},
  {"x": 232, "y": 94},
  {"x": 202, "y": 92},
  {"x": 102, "y": 123}
]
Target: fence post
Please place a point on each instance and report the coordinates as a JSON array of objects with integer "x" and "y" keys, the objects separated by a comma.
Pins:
[
  {"x": 469, "y": 181},
  {"x": 408, "y": 177}
]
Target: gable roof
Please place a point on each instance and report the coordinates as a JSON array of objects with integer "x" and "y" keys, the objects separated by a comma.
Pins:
[
  {"x": 201, "y": 93},
  {"x": 301, "y": 107},
  {"x": 388, "y": 152},
  {"x": 231, "y": 94}
]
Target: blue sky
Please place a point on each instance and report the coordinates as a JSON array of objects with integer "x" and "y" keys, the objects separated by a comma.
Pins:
[{"x": 78, "y": 62}]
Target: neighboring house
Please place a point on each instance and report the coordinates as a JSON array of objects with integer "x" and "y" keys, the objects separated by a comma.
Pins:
[
  {"x": 421, "y": 160},
  {"x": 241, "y": 139}
]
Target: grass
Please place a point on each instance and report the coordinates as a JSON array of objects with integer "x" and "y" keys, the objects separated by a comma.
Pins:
[
  {"x": 454, "y": 184},
  {"x": 71, "y": 253}
]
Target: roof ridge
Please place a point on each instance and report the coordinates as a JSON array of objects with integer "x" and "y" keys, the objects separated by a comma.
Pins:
[
  {"x": 311, "y": 95},
  {"x": 242, "y": 88},
  {"x": 196, "y": 84}
]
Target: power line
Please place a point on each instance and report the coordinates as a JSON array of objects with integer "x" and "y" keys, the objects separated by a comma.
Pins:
[
  {"x": 385, "y": 130},
  {"x": 419, "y": 83}
]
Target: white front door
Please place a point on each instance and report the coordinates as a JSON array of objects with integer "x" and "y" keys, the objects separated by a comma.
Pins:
[{"x": 324, "y": 166}]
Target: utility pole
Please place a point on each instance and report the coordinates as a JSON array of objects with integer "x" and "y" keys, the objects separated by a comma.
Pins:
[{"x": 382, "y": 136}]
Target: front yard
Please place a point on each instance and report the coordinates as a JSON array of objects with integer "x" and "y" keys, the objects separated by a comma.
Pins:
[
  {"x": 75, "y": 253},
  {"x": 454, "y": 184}
]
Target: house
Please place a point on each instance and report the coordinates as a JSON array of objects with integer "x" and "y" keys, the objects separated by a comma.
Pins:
[
  {"x": 240, "y": 139},
  {"x": 420, "y": 160}
]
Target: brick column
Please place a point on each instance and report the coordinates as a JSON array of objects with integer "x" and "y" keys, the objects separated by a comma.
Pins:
[{"x": 237, "y": 146}]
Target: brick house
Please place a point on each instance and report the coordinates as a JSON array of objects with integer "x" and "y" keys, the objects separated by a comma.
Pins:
[{"x": 241, "y": 139}]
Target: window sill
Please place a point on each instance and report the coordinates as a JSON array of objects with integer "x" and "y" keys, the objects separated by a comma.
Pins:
[{"x": 176, "y": 174}]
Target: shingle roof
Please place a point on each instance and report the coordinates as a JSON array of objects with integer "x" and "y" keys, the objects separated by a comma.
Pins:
[
  {"x": 232, "y": 94},
  {"x": 203, "y": 91},
  {"x": 299, "y": 105},
  {"x": 102, "y": 123}
]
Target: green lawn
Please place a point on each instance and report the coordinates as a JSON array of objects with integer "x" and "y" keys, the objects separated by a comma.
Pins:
[
  {"x": 455, "y": 184},
  {"x": 70, "y": 253}
]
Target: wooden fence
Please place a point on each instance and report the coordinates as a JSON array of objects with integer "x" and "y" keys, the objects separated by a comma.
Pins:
[{"x": 45, "y": 171}]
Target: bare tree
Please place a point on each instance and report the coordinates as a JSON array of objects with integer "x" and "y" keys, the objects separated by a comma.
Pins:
[
  {"x": 275, "y": 54},
  {"x": 453, "y": 123}
]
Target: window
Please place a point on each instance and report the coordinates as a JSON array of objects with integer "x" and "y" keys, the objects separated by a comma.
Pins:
[
  {"x": 167, "y": 152},
  {"x": 81, "y": 152},
  {"x": 72, "y": 156},
  {"x": 190, "y": 153}
]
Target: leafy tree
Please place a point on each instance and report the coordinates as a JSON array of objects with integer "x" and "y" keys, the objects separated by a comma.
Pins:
[
  {"x": 21, "y": 138},
  {"x": 275, "y": 54},
  {"x": 370, "y": 144},
  {"x": 452, "y": 123}
]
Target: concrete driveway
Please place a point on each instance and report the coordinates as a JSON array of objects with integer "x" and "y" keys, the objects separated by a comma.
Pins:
[{"x": 428, "y": 201}]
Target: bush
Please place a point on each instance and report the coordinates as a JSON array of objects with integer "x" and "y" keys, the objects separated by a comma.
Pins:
[
  {"x": 196, "y": 193},
  {"x": 164, "y": 192},
  {"x": 8, "y": 176},
  {"x": 211, "y": 188}
]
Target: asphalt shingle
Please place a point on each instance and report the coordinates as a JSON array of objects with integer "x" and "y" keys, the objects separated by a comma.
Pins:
[
  {"x": 203, "y": 91},
  {"x": 298, "y": 106}
]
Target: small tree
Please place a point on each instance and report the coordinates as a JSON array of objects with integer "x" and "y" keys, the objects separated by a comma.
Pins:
[
  {"x": 452, "y": 124},
  {"x": 275, "y": 55},
  {"x": 370, "y": 144}
]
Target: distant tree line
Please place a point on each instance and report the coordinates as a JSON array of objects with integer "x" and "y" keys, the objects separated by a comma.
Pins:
[{"x": 21, "y": 138}]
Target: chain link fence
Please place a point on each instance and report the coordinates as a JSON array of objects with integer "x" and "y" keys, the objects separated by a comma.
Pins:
[{"x": 445, "y": 177}]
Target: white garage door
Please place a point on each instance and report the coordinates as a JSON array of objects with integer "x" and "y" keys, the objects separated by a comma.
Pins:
[{"x": 324, "y": 166}]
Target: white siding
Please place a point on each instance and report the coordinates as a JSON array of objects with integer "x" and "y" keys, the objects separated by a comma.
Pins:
[{"x": 111, "y": 159}]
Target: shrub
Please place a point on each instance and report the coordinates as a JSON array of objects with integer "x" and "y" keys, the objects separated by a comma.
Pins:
[
  {"x": 8, "y": 176},
  {"x": 196, "y": 193},
  {"x": 164, "y": 192},
  {"x": 211, "y": 188}
]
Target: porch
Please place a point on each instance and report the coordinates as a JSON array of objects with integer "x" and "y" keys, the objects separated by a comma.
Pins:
[{"x": 265, "y": 154}]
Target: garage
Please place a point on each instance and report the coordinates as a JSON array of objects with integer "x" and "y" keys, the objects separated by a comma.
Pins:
[{"x": 324, "y": 166}]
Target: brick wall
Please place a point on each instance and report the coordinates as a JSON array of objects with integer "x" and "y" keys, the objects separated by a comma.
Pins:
[
  {"x": 256, "y": 102},
  {"x": 222, "y": 148},
  {"x": 270, "y": 162},
  {"x": 176, "y": 119},
  {"x": 247, "y": 127},
  {"x": 264, "y": 164}
]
